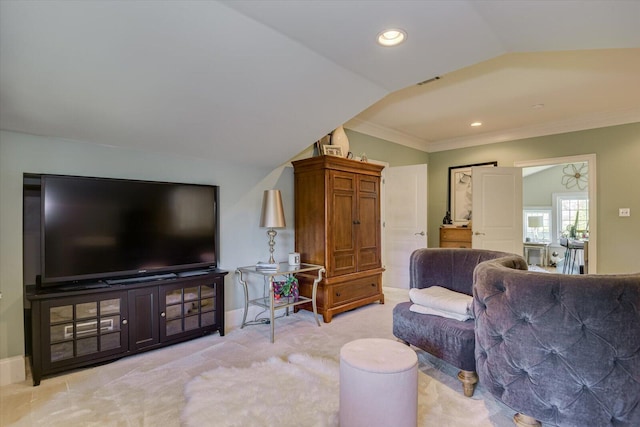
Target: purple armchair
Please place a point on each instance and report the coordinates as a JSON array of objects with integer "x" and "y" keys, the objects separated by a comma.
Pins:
[
  {"x": 450, "y": 340},
  {"x": 561, "y": 349}
]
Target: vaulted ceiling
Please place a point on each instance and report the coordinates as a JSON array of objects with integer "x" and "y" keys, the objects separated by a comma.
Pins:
[{"x": 256, "y": 82}]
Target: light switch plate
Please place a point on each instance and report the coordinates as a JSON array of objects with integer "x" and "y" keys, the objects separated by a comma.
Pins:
[{"x": 624, "y": 212}]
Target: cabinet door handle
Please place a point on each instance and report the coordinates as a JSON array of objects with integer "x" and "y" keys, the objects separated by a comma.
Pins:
[
  {"x": 355, "y": 221},
  {"x": 125, "y": 321},
  {"x": 337, "y": 294},
  {"x": 373, "y": 285},
  {"x": 163, "y": 314}
]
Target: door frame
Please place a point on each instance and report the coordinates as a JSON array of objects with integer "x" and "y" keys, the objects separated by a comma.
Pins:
[{"x": 590, "y": 159}]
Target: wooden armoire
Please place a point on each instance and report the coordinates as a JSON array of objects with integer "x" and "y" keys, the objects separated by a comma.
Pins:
[{"x": 337, "y": 224}]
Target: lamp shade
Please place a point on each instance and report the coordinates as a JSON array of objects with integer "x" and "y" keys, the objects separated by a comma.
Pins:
[
  {"x": 272, "y": 210},
  {"x": 534, "y": 221}
]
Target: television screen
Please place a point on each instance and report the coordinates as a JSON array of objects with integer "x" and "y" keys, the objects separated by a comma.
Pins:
[{"x": 94, "y": 228}]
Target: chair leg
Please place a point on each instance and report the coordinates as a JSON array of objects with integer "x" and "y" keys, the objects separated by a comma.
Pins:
[
  {"x": 522, "y": 420},
  {"x": 469, "y": 380}
]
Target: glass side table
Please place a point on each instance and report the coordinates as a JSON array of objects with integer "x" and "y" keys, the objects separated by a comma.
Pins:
[{"x": 269, "y": 302}]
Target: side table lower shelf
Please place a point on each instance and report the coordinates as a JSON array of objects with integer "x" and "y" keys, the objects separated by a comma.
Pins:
[{"x": 270, "y": 302}]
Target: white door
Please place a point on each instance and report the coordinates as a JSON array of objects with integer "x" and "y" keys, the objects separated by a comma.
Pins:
[
  {"x": 497, "y": 209},
  {"x": 405, "y": 222}
]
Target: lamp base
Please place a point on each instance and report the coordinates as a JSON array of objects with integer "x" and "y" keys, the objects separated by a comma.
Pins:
[{"x": 272, "y": 242}]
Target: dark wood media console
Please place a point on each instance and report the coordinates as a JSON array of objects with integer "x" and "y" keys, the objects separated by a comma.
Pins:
[{"x": 73, "y": 328}]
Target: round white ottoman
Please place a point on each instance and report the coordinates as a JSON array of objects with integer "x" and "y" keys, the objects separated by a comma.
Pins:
[{"x": 378, "y": 384}]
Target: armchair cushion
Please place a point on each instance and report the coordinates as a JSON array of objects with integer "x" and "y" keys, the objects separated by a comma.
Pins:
[{"x": 448, "y": 339}]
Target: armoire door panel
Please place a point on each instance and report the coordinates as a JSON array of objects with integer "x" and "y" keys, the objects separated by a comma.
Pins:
[
  {"x": 368, "y": 259},
  {"x": 342, "y": 222},
  {"x": 368, "y": 185},
  {"x": 344, "y": 263},
  {"x": 369, "y": 222},
  {"x": 342, "y": 181},
  {"x": 368, "y": 231}
]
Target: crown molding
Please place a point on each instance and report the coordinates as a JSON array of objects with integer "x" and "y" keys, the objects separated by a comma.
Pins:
[
  {"x": 388, "y": 134},
  {"x": 585, "y": 122}
]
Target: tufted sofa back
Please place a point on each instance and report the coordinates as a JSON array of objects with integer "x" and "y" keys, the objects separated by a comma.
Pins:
[
  {"x": 451, "y": 268},
  {"x": 564, "y": 349}
]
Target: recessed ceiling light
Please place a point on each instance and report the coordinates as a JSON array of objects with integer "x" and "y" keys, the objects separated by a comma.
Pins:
[
  {"x": 391, "y": 37},
  {"x": 476, "y": 124}
]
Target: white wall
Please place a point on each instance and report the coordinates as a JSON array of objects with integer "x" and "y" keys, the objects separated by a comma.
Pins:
[{"x": 242, "y": 241}]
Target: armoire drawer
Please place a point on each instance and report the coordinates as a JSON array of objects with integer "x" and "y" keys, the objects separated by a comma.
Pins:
[{"x": 355, "y": 290}]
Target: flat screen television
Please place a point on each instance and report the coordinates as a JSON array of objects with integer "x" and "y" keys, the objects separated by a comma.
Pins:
[{"x": 94, "y": 229}]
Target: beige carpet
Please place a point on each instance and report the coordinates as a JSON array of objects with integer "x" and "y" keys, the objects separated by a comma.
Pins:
[{"x": 149, "y": 389}]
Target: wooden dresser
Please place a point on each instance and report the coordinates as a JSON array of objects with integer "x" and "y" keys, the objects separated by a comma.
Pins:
[
  {"x": 337, "y": 224},
  {"x": 455, "y": 237}
]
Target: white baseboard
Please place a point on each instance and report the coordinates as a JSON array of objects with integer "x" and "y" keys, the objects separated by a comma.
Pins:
[
  {"x": 12, "y": 370},
  {"x": 233, "y": 318}
]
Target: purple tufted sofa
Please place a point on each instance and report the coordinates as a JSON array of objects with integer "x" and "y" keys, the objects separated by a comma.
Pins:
[
  {"x": 561, "y": 349},
  {"x": 450, "y": 340}
]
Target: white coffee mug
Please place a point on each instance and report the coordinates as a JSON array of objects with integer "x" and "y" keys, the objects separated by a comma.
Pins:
[{"x": 294, "y": 258}]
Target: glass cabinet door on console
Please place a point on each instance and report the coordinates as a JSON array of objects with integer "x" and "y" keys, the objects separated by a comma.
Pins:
[
  {"x": 83, "y": 327},
  {"x": 185, "y": 308}
]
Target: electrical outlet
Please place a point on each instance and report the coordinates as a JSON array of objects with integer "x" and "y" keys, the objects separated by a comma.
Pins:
[{"x": 624, "y": 212}]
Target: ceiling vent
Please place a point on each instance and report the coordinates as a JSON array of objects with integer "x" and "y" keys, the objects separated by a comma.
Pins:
[{"x": 433, "y": 79}]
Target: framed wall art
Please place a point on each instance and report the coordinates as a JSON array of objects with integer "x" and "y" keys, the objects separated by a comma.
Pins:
[{"x": 459, "y": 191}]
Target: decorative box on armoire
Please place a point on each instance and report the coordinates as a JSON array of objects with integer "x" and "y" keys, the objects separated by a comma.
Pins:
[{"x": 337, "y": 224}]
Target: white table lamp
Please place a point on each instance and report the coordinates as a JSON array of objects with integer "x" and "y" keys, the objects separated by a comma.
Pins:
[
  {"x": 272, "y": 217},
  {"x": 535, "y": 222}
]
